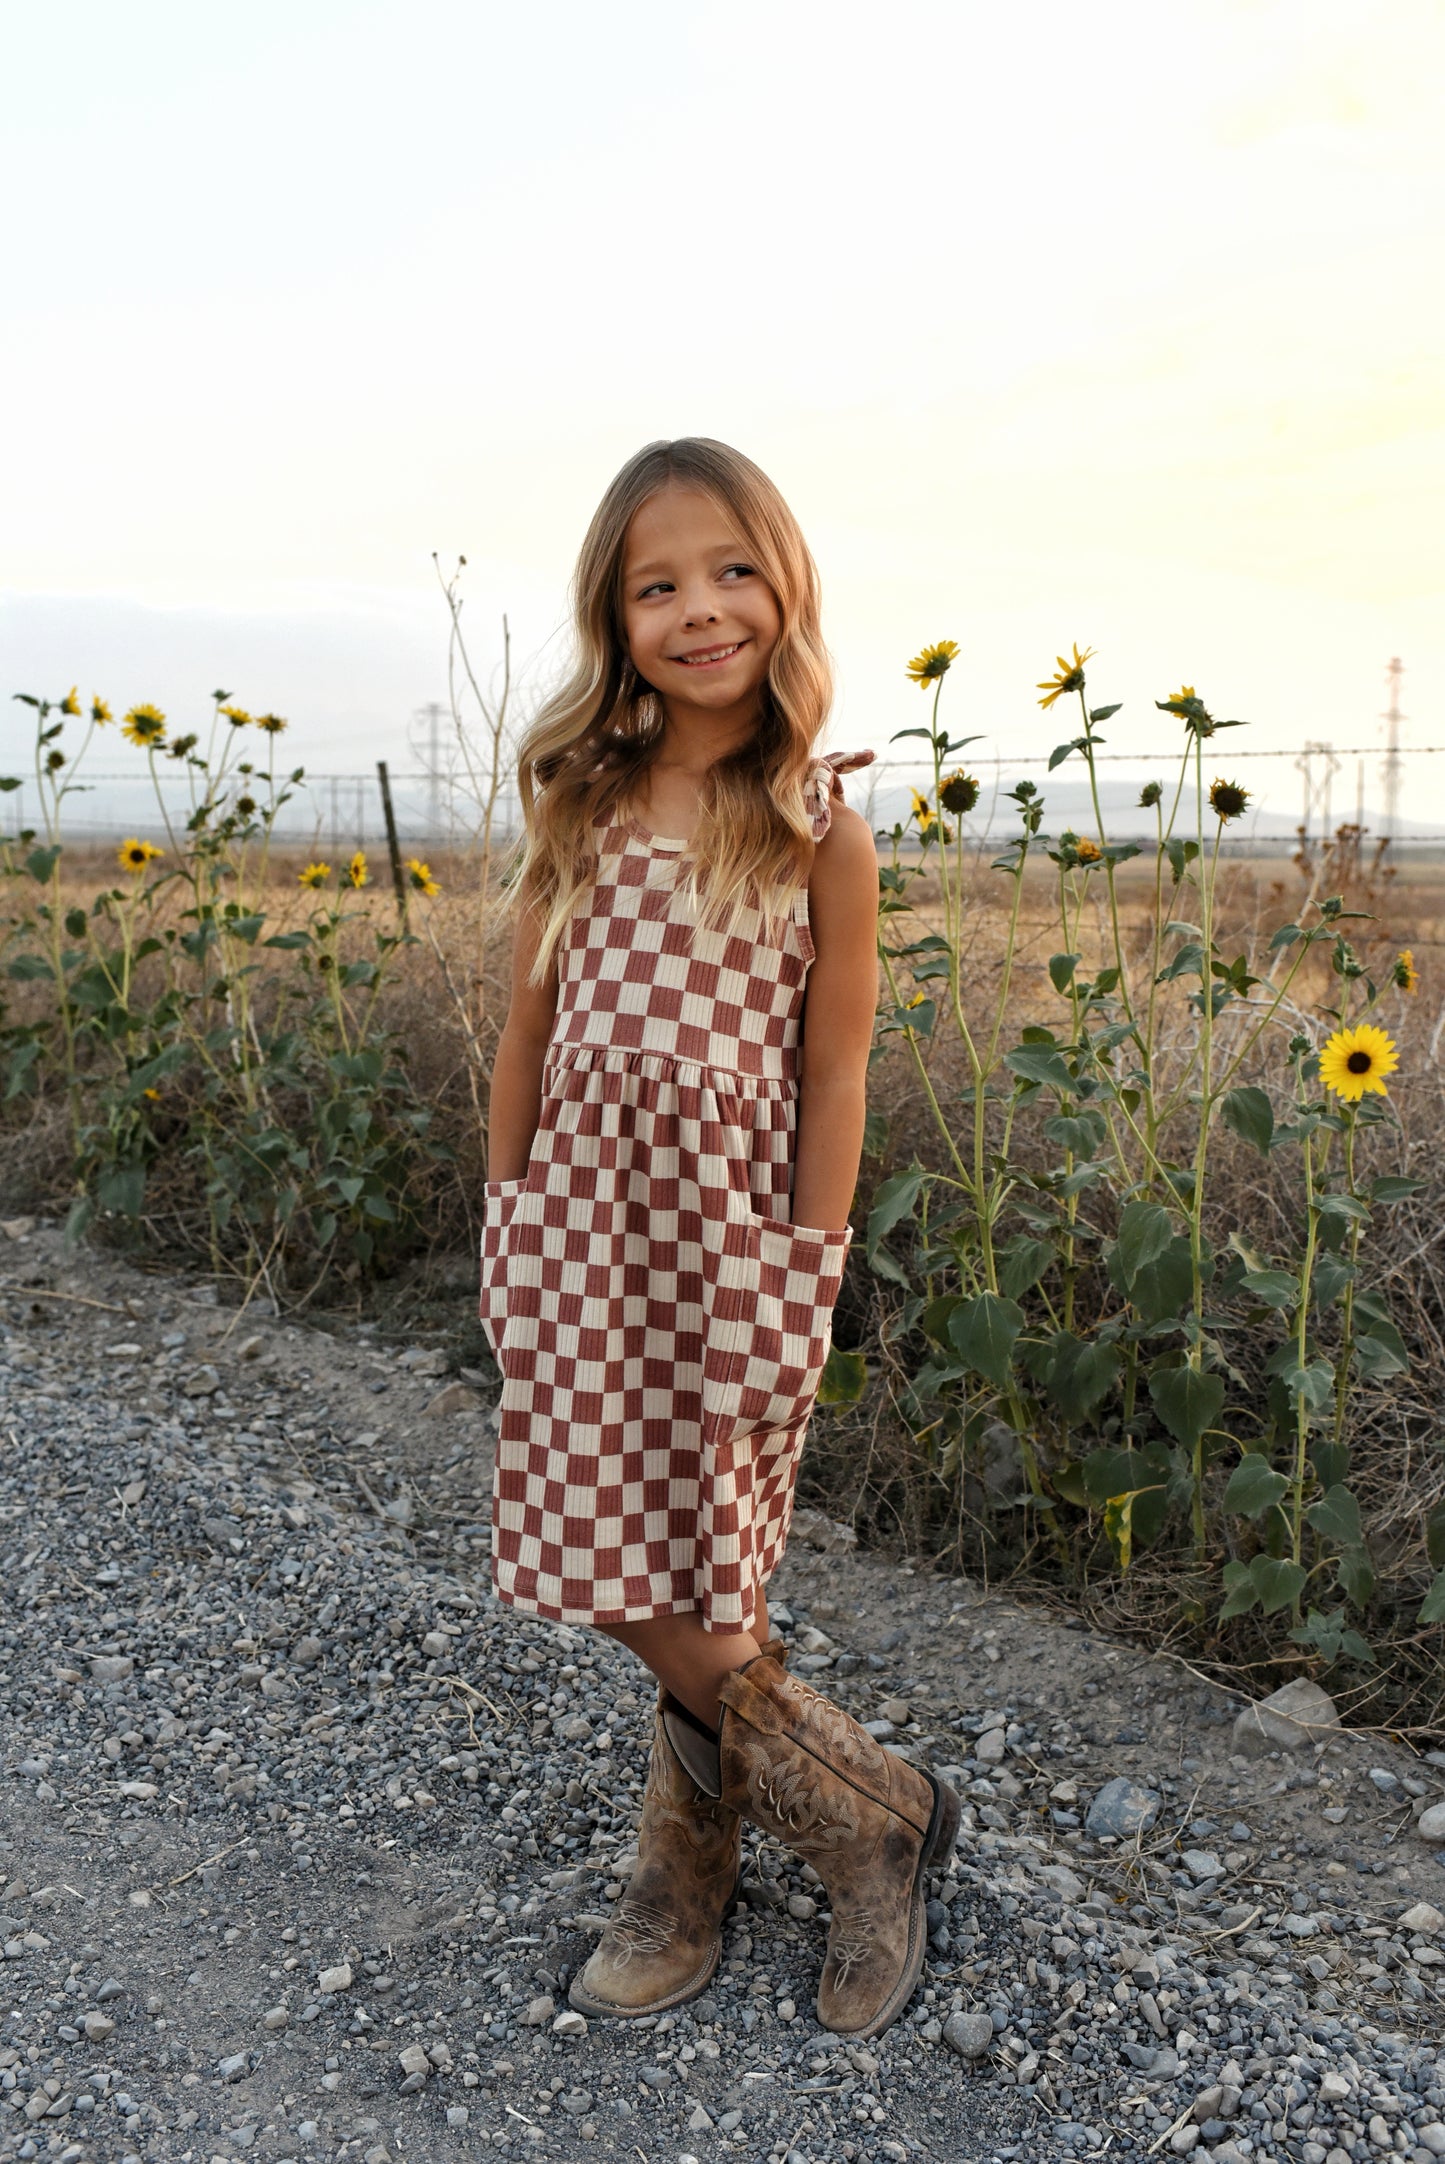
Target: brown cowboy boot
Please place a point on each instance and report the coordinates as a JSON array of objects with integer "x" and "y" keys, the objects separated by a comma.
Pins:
[
  {"x": 663, "y": 1945},
  {"x": 807, "y": 1774}
]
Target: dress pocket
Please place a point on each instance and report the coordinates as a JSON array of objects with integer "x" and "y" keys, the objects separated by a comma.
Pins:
[
  {"x": 500, "y": 1202},
  {"x": 771, "y": 1328}
]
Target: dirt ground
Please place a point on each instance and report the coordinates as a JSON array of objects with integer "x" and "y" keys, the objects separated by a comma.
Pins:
[{"x": 197, "y": 1902}]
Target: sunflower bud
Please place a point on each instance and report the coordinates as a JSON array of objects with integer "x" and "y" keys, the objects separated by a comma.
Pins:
[{"x": 959, "y": 793}]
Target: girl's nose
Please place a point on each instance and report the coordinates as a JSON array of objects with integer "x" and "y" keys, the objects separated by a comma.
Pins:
[{"x": 700, "y": 612}]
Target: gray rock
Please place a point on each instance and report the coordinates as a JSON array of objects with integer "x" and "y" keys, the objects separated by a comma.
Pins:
[
  {"x": 970, "y": 2035},
  {"x": 818, "y": 1531},
  {"x": 1295, "y": 1715},
  {"x": 111, "y": 1667},
  {"x": 414, "y": 2062},
  {"x": 456, "y": 1398},
  {"x": 1425, "y": 1918},
  {"x": 991, "y": 1748},
  {"x": 202, "y": 1382},
  {"x": 1202, "y": 1863},
  {"x": 1122, "y": 1807},
  {"x": 1430, "y": 1825}
]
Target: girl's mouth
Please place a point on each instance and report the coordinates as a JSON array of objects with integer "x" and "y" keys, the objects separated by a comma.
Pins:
[{"x": 710, "y": 657}]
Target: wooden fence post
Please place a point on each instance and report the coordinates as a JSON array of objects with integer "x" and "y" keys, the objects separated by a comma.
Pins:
[{"x": 393, "y": 846}]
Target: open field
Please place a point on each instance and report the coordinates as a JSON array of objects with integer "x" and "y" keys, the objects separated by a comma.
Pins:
[{"x": 443, "y": 1001}]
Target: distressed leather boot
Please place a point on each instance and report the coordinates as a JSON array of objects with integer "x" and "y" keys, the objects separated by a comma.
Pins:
[
  {"x": 663, "y": 1944},
  {"x": 807, "y": 1774}
]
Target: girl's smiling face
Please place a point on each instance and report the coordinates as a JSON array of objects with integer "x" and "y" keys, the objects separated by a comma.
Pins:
[{"x": 701, "y": 621}]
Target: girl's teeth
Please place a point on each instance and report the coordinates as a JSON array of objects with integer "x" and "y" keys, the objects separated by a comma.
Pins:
[{"x": 719, "y": 654}]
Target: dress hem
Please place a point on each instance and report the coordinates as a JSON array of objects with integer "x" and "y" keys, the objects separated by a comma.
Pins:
[{"x": 599, "y": 1620}]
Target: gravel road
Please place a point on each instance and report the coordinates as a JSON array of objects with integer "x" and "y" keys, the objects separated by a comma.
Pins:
[{"x": 304, "y": 1834}]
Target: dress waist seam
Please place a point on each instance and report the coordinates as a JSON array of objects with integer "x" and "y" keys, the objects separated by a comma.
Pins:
[{"x": 571, "y": 1052}]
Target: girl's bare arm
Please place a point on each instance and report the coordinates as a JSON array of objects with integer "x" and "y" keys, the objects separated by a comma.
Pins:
[
  {"x": 838, "y": 1011},
  {"x": 521, "y": 1049}
]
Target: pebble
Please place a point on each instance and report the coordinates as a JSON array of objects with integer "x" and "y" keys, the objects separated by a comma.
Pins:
[
  {"x": 336, "y": 1979},
  {"x": 1202, "y": 1863},
  {"x": 1122, "y": 1808},
  {"x": 1294, "y": 1716},
  {"x": 1430, "y": 1825},
  {"x": 970, "y": 2035}
]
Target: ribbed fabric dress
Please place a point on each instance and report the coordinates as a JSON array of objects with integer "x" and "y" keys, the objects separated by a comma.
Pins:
[{"x": 660, "y": 1325}]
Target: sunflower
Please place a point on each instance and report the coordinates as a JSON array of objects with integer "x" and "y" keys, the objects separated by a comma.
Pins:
[
  {"x": 54, "y": 761},
  {"x": 70, "y": 704},
  {"x": 144, "y": 725},
  {"x": 271, "y": 723},
  {"x": 315, "y": 875},
  {"x": 1070, "y": 676},
  {"x": 237, "y": 716},
  {"x": 421, "y": 877},
  {"x": 356, "y": 870},
  {"x": 1150, "y": 794},
  {"x": 923, "y": 811},
  {"x": 1404, "y": 973},
  {"x": 183, "y": 746},
  {"x": 154, "y": 1095},
  {"x": 134, "y": 856},
  {"x": 99, "y": 711},
  {"x": 1088, "y": 852},
  {"x": 1356, "y": 1060},
  {"x": 958, "y": 793},
  {"x": 1228, "y": 799},
  {"x": 917, "y": 1000},
  {"x": 1190, "y": 708},
  {"x": 933, "y": 662}
]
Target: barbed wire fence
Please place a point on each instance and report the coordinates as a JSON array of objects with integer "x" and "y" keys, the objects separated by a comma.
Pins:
[{"x": 335, "y": 812}]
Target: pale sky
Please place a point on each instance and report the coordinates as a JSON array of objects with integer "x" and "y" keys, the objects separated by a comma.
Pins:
[{"x": 1122, "y": 324}]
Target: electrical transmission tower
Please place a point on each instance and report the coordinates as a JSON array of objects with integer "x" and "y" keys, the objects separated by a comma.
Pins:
[
  {"x": 430, "y": 717},
  {"x": 1392, "y": 767},
  {"x": 1317, "y": 789}
]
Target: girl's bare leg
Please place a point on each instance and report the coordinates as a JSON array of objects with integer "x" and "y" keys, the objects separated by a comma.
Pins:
[{"x": 689, "y": 1661}]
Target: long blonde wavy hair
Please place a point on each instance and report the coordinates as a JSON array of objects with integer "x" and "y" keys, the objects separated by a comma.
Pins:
[{"x": 583, "y": 756}]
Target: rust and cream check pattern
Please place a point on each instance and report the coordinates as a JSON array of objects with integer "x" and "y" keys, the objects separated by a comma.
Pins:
[{"x": 660, "y": 1325}]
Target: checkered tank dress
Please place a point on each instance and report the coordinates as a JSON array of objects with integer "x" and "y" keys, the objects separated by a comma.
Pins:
[{"x": 660, "y": 1325}]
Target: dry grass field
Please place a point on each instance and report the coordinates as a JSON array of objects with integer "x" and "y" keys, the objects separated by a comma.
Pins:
[{"x": 444, "y": 1001}]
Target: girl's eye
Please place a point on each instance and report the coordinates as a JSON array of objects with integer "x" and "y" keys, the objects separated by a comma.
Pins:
[{"x": 665, "y": 586}]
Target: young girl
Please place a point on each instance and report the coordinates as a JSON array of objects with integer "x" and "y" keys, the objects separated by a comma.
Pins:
[{"x": 675, "y": 1140}]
